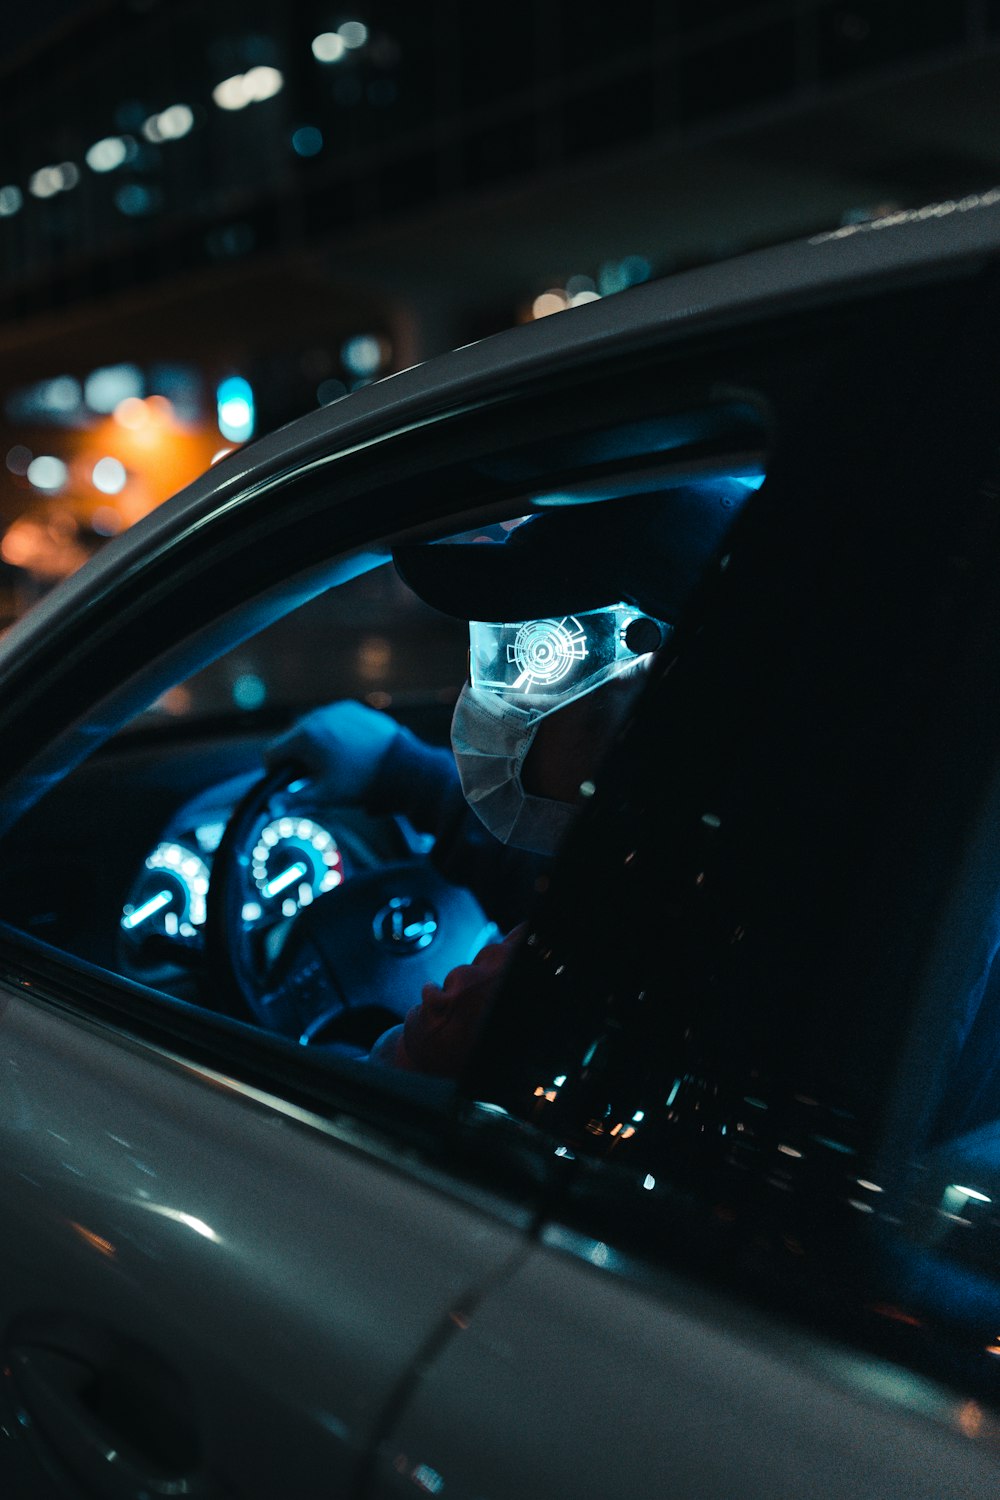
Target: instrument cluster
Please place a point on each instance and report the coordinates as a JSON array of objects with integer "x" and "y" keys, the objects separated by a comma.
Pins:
[{"x": 293, "y": 859}]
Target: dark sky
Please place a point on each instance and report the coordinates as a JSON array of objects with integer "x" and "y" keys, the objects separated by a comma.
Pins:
[{"x": 26, "y": 27}]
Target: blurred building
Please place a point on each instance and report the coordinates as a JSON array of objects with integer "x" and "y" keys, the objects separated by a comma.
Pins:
[{"x": 215, "y": 216}]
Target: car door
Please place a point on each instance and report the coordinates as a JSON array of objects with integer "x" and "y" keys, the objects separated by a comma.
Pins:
[
  {"x": 207, "y": 1289},
  {"x": 771, "y": 1267},
  {"x": 231, "y": 1268}
]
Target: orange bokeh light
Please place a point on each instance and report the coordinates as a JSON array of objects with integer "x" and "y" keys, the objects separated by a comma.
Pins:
[
  {"x": 160, "y": 455},
  {"x": 132, "y": 413}
]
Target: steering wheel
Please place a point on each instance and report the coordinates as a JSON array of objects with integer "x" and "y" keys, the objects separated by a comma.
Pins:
[{"x": 350, "y": 964}]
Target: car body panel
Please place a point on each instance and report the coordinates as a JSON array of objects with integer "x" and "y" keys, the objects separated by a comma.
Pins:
[
  {"x": 614, "y": 1392},
  {"x": 291, "y": 1290}
]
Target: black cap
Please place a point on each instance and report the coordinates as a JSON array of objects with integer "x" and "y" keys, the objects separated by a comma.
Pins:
[{"x": 643, "y": 550}]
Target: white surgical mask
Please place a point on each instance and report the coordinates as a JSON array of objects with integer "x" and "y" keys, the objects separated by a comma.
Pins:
[
  {"x": 520, "y": 673},
  {"x": 491, "y": 738}
]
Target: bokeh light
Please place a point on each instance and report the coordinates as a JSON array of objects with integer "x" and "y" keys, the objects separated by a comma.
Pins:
[
  {"x": 252, "y": 87},
  {"x": 552, "y": 301},
  {"x": 235, "y": 408},
  {"x": 47, "y": 473},
  {"x": 363, "y": 355},
  {"x": 307, "y": 141},
  {"x": 353, "y": 33},
  {"x": 135, "y": 200},
  {"x": 263, "y": 83},
  {"x": 618, "y": 276},
  {"x": 18, "y": 458},
  {"x": 107, "y": 154},
  {"x": 109, "y": 475},
  {"x": 133, "y": 413},
  {"x": 249, "y": 691},
  {"x": 104, "y": 388},
  {"x": 170, "y": 124},
  {"x": 328, "y": 47},
  {"x": 48, "y": 181}
]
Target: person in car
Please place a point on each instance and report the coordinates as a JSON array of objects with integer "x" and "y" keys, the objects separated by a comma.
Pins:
[
  {"x": 545, "y": 697},
  {"x": 521, "y": 775}
]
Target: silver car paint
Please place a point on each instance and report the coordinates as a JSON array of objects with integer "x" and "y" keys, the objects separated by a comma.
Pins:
[
  {"x": 290, "y": 1276},
  {"x": 590, "y": 1387}
]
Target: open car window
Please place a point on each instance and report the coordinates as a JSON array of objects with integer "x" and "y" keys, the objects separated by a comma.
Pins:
[
  {"x": 314, "y": 900},
  {"x": 371, "y": 639},
  {"x": 767, "y": 703}
]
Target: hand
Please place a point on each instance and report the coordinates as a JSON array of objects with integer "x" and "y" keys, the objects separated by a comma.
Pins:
[{"x": 339, "y": 747}]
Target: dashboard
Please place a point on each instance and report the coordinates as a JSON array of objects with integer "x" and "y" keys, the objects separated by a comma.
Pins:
[
  {"x": 294, "y": 854},
  {"x": 115, "y": 864},
  {"x": 177, "y": 863}
]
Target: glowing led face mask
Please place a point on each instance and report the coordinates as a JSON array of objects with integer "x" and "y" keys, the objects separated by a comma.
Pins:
[
  {"x": 519, "y": 675},
  {"x": 545, "y": 663}
]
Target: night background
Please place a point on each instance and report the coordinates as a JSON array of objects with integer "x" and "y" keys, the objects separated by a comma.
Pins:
[{"x": 216, "y": 216}]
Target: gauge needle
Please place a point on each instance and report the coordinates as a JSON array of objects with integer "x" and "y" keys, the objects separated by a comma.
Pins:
[
  {"x": 285, "y": 879},
  {"x": 147, "y": 909}
]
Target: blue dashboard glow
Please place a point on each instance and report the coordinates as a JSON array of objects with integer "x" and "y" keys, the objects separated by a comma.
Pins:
[
  {"x": 296, "y": 858},
  {"x": 285, "y": 879},
  {"x": 170, "y": 895},
  {"x": 209, "y": 836},
  {"x": 149, "y": 908}
]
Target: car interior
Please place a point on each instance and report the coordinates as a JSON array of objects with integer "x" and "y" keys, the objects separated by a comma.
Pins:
[
  {"x": 195, "y": 887},
  {"x": 115, "y": 864},
  {"x": 173, "y": 854},
  {"x": 182, "y": 859}
]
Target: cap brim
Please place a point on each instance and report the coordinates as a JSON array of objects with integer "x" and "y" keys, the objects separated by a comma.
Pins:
[{"x": 648, "y": 551}]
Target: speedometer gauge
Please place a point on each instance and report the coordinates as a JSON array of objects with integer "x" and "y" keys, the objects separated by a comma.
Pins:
[
  {"x": 293, "y": 861},
  {"x": 169, "y": 897}
]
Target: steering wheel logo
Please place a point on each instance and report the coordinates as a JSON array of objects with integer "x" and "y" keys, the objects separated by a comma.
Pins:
[
  {"x": 405, "y": 925},
  {"x": 544, "y": 651}
]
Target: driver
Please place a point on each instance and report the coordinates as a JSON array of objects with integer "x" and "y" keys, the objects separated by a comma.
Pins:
[
  {"x": 552, "y": 676},
  {"x": 520, "y": 759},
  {"x": 523, "y": 771}
]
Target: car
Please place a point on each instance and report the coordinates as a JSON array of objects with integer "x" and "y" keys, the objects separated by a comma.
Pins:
[{"x": 711, "y": 1207}]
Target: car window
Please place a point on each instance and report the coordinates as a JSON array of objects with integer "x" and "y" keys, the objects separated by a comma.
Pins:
[
  {"x": 371, "y": 639},
  {"x": 141, "y": 822},
  {"x": 299, "y": 879},
  {"x": 319, "y": 904}
]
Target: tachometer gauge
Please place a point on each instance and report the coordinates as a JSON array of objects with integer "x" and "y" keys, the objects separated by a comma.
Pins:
[
  {"x": 293, "y": 861},
  {"x": 169, "y": 896}
]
